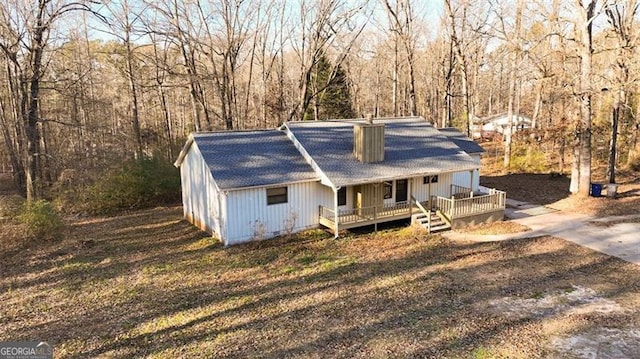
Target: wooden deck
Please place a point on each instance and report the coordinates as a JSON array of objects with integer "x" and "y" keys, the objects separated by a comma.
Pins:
[
  {"x": 469, "y": 204},
  {"x": 461, "y": 205},
  {"x": 357, "y": 217}
]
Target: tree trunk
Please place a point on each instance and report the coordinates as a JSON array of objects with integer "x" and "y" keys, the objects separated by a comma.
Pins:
[
  {"x": 513, "y": 92},
  {"x": 615, "y": 117},
  {"x": 633, "y": 157},
  {"x": 135, "y": 116},
  {"x": 395, "y": 78},
  {"x": 466, "y": 99},
  {"x": 586, "y": 51},
  {"x": 413, "y": 107},
  {"x": 31, "y": 124},
  {"x": 575, "y": 167},
  {"x": 537, "y": 105}
]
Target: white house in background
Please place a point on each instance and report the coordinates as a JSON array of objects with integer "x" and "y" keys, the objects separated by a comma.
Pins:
[
  {"x": 499, "y": 124},
  {"x": 246, "y": 185}
]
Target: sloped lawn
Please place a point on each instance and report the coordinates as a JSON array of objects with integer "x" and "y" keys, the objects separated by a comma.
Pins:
[{"x": 149, "y": 284}]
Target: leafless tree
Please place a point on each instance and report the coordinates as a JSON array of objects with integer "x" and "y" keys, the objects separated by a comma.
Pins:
[
  {"x": 321, "y": 23},
  {"x": 24, "y": 37},
  {"x": 585, "y": 12},
  {"x": 122, "y": 19},
  {"x": 621, "y": 17}
]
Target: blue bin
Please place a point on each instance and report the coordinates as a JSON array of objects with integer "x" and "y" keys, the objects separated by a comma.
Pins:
[{"x": 596, "y": 190}]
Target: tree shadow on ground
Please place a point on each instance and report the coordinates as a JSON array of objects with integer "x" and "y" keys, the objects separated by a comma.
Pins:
[
  {"x": 155, "y": 285},
  {"x": 530, "y": 187}
]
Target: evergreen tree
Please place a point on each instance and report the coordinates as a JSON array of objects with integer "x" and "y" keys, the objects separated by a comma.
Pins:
[{"x": 329, "y": 89}]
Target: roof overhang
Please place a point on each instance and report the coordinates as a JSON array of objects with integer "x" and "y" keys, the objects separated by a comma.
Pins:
[
  {"x": 412, "y": 175},
  {"x": 185, "y": 150},
  {"x": 271, "y": 185}
]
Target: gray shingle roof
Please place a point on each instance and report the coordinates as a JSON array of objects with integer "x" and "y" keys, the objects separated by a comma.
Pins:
[
  {"x": 252, "y": 158},
  {"x": 412, "y": 148},
  {"x": 461, "y": 140}
]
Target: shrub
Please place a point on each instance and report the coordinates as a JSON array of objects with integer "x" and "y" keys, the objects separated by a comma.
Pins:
[
  {"x": 41, "y": 219},
  {"x": 528, "y": 160},
  {"x": 138, "y": 184}
]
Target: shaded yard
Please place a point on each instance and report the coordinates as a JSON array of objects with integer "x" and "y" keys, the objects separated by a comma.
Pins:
[{"x": 149, "y": 284}]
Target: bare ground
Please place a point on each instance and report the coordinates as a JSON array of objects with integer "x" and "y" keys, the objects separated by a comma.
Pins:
[
  {"x": 149, "y": 284},
  {"x": 552, "y": 189}
]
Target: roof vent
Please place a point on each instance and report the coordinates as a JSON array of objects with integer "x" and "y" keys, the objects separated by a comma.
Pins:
[{"x": 368, "y": 141}]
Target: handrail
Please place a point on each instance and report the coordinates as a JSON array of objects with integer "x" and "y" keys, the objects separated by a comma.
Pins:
[
  {"x": 449, "y": 208},
  {"x": 327, "y": 213},
  {"x": 424, "y": 211},
  {"x": 460, "y": 207},
  {"x": 419, "y": 205},
  {"x": 364, "y": 213},
  {"x": 461, "y": 191}
]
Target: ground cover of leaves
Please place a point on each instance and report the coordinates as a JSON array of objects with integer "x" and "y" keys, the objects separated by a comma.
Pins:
[
  {"x": 148, "y": 283},
  {"x": 501, "y": 227},
  {"x": 552, "y": 189}
]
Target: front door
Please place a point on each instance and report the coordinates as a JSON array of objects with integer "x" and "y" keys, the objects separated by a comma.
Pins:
[
  {"x": 357, "y": 197},
  {"x": 402, "y": 187}
]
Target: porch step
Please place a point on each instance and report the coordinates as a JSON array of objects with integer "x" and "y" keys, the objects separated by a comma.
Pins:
[
  {"x": 437, "y": 223},
  {"x": 439, "y": 228}
]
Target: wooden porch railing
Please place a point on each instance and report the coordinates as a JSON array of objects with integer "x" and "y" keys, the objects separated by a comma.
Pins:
[
  {"x": 423, "y": 210},
  {"x": 327, "y": 213},
  {"x": 455, "y": 208},
  {"x": 448, "y": 208},
  {"x": 461, "y": 191},
  {"x": 365, "y": 213}
]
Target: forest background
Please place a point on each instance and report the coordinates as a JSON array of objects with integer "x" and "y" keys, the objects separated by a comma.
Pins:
[{"x": 99, "y": 96}]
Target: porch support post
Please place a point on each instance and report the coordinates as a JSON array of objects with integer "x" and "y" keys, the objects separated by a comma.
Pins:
[
  {"x": 429, "y": 193},
  {"x": 335, "y": 211},
  {"x": 375, "y": 219},
  {"x": 471, "y": 181}
]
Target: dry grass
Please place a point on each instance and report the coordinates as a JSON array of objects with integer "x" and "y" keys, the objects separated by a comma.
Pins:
[
  {"x": 626, "y": 203},
  {"x": 503, "y": 227},
  {"x": 552, "y": 189},
  {"x": 149, "y": 284}
]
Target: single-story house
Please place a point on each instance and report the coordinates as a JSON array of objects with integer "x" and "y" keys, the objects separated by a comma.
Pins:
[
  {"x": 488, "y": 127},
  {"x": 247, "y": 185}
]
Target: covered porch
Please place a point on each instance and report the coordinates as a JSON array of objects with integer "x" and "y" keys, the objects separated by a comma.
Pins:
[
  {"x": 357, "y": 217},
  {"x": 463, "y": 206}
]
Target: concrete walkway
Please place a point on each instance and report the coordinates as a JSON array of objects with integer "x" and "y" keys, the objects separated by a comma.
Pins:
[{"x": 616, "y": 239}]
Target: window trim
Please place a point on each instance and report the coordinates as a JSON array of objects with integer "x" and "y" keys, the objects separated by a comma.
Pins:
[
  {"x": 388, "y": 194},
  {"x": 278, "y": 198},
  {"x": 342, "y": 196},
  {"x": 430, "y": 179},
  {"x": 406, "y": 190}
]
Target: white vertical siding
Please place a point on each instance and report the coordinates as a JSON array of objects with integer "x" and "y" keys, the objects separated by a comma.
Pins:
[
  {"x": 200, "y": 197},
  {"x": 476, "y": 173},
  {"x": 464, "y": 178},
  {"x": 249, "y": 217},
  {"x": 441, "y": 188},
  {"x": 325, "y": 196}
]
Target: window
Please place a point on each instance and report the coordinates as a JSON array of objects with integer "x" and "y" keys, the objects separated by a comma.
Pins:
[
  {"x": 430, "y": 179},
  {"x": 401, "y": 190},
  {"x": 388, "y": 189},
  {"x": 342, "y": 196},
  {"x": 277, "y": 195}
]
